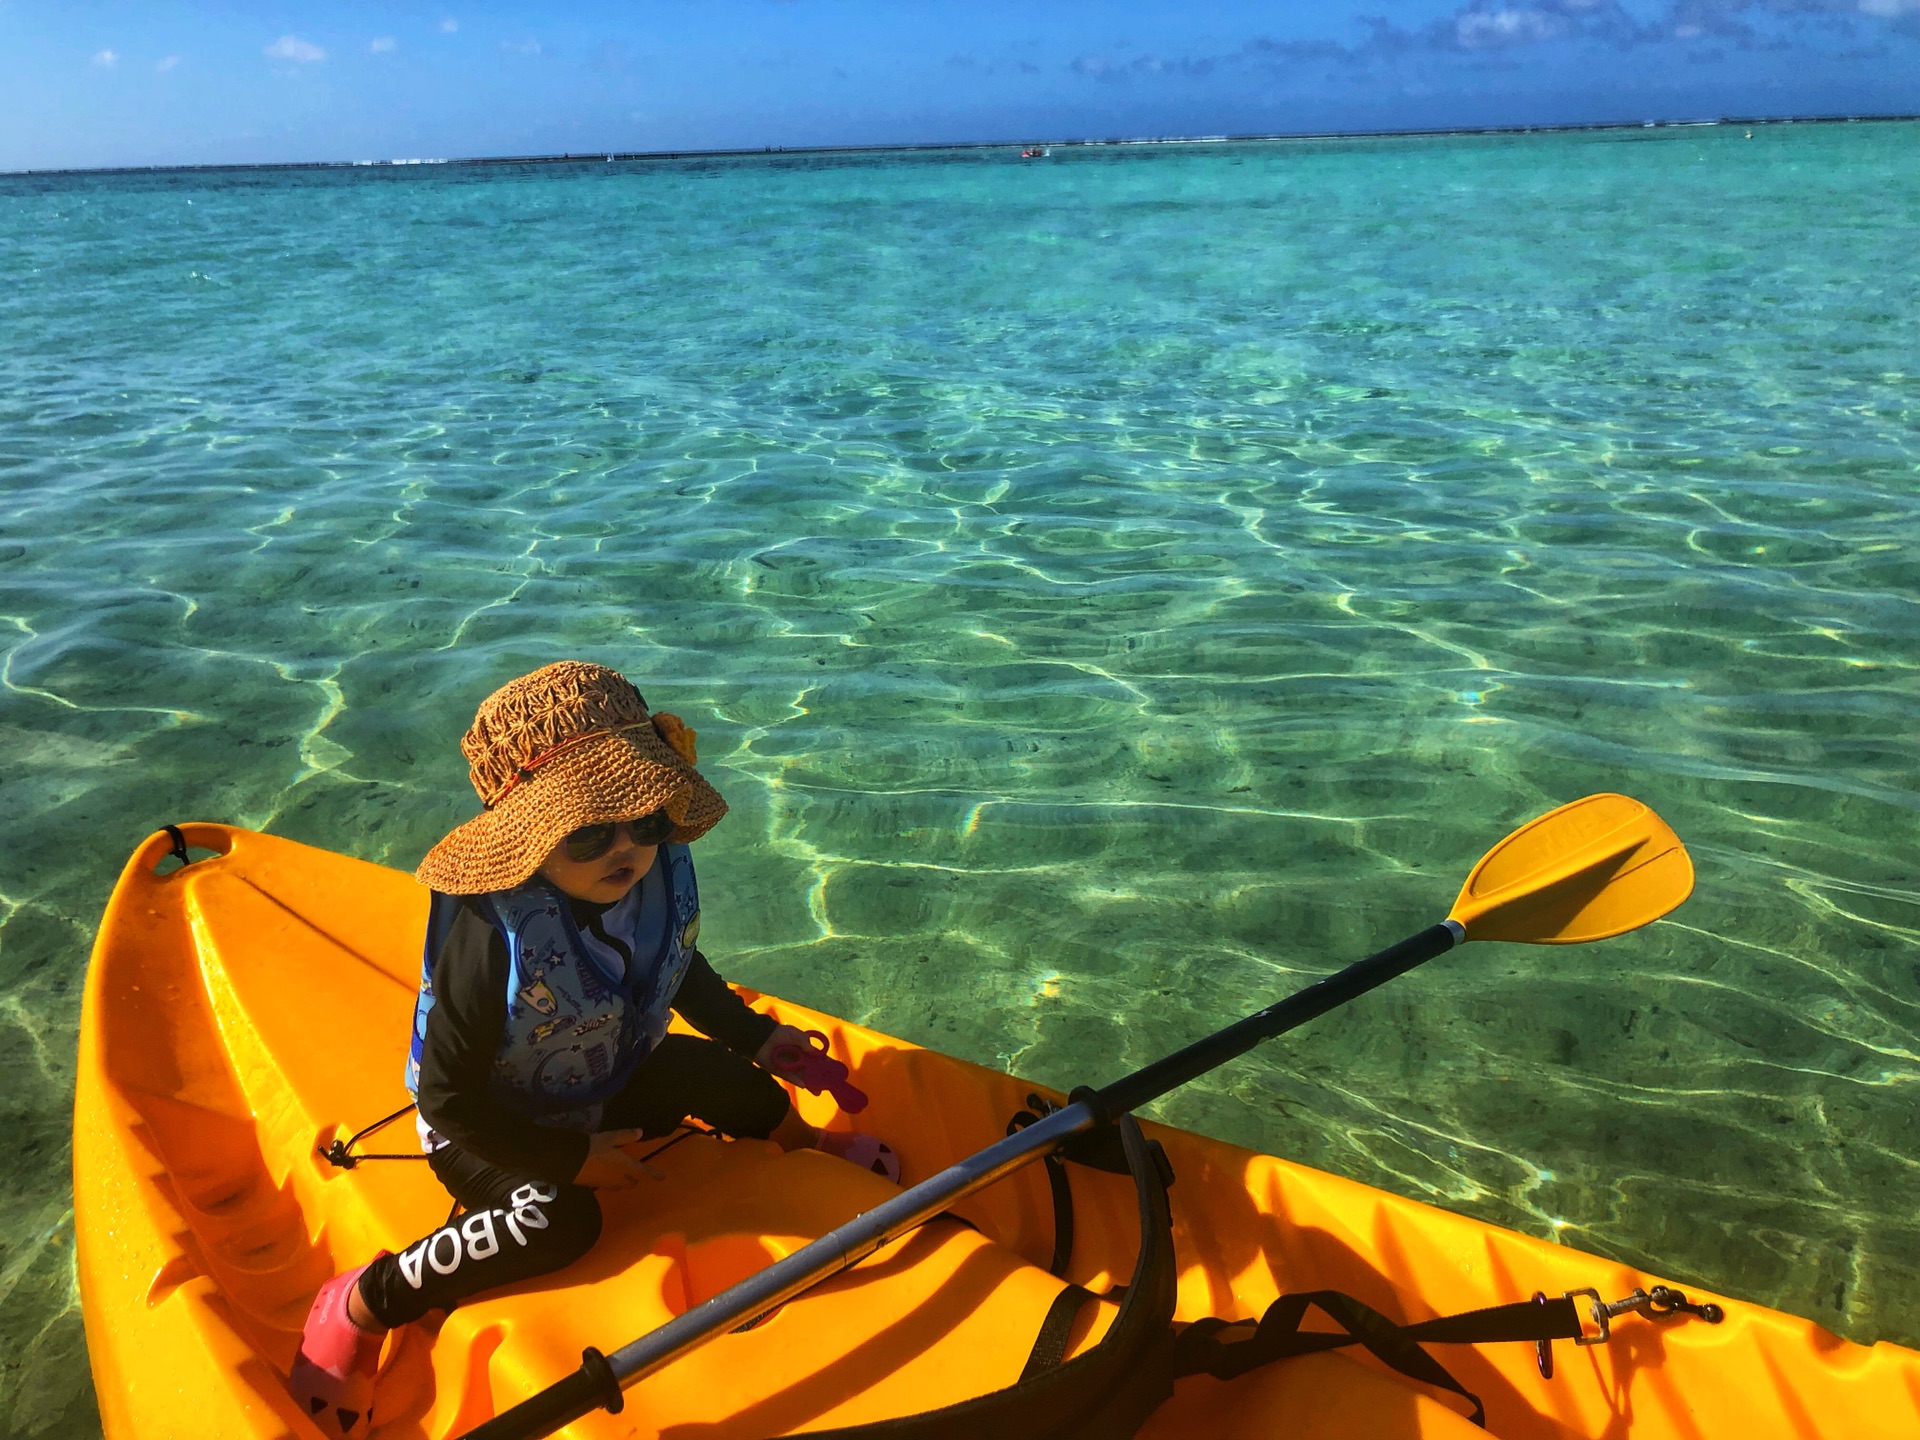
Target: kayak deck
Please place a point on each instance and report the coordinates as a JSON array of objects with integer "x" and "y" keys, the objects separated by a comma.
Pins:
[{"x": 247, "y": 1010}]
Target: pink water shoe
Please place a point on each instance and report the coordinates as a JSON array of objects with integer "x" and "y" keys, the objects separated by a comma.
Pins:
[
  {"x": 332, "y": 1376},
  {"x": 862, "y": 1150},
  {"x": 812, "y": 1068}
]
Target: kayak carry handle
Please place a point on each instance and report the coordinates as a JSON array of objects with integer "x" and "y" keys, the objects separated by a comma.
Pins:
[{"x": 175, "y": 842}]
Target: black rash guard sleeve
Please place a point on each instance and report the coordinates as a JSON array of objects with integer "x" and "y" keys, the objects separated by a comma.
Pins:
[
  {"x": 715, "y": 1009},
  {"x": 464, "y": 1027}
]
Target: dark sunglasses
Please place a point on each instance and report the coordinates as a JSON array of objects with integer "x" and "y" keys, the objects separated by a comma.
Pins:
[{"x": 590, "y": 842}]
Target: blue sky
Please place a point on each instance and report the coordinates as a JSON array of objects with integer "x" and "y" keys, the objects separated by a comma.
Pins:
[{"x": 86, "y": 83}]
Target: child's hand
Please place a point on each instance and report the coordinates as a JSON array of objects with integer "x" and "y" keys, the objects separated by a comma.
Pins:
[
  {"x": 782, "y": 1035},
  {"x": 608, "y": 1167}
]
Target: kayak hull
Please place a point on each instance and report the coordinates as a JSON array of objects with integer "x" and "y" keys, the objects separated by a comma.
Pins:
[{"x": 247, "y": 1010}]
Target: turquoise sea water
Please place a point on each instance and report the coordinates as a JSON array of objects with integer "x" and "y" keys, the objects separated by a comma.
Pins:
[{"x": 1111, "y": 591}]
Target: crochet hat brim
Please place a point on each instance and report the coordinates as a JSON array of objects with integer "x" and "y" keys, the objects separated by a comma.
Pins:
[{"x": 620, "y": 776}]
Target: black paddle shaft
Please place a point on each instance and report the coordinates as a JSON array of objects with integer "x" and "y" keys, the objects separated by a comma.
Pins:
[
  {"x": 599, "y": 1380},
  {"x": 1132, "y": 1091}
]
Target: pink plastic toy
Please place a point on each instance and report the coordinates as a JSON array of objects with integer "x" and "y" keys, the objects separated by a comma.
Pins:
[{"x": 812, "y": 1068}]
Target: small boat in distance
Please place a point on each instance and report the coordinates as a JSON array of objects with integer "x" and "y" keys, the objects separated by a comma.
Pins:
[{"x": 1036, "y": 152}]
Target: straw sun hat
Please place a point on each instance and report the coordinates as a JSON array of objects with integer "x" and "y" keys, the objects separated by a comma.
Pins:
[{"x": 571, "y": 744}]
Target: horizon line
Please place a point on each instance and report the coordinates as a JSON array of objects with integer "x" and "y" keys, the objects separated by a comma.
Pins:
[{"x": 588, "y": 157}]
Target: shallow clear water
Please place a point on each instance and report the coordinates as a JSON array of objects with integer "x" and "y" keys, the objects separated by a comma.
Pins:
[{"x": 1110, "y": 591}]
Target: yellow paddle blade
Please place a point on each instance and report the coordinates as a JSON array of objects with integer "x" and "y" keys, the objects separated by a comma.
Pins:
[{"x": 1597, "y": 867}]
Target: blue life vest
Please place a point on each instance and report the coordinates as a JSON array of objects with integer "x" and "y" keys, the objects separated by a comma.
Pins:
[{"x": 581, "y": 1015}]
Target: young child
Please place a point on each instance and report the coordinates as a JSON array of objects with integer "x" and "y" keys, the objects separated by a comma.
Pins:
[{"x": 561, "y": 933}]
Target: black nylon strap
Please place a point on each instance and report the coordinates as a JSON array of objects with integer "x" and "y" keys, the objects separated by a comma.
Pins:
[
  {"x": 1522, "y": 1320},
  {"x": 1201, "y": 1347},
  {"x": 1062, "y": 1190},
  {"x": 1108, "y": 1389},
  {"x": 1058, "y": 1186},
  {"x": 179, "y": 850},
  {"x": 1533, "y": 1320},
  {"x": 1050, "y": 1345},
  {"x": 1279, "y": 1337}
]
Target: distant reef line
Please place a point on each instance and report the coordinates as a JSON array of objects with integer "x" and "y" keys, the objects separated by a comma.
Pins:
[{"x": 603, "y": 157}]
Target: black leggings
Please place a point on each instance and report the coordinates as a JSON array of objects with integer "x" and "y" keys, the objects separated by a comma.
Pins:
[{"x": 517, "y": 1227}]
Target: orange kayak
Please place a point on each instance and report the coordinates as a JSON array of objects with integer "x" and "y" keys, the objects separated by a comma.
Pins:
[{"x": 247, "y": 1010}]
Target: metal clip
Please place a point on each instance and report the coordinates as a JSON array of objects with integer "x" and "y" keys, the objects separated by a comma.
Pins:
[
  {"x": 1543, "y": 1349},
  {"x": 1602, "y": 1316},
  {"x": 1663, "y": 1303}
]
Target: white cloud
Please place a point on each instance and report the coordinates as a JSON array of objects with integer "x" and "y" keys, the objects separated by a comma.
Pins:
[
  {"x": 1504, "y": 27},
  {"x": 106, "y": 59},
  {"x": 449, "y": 25},
  {"x": 292, "y": 47},
  {"x": 521, "y": 47},
  {"x": 382, "y": 44},
  {"x": 166, "y": 63}
]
